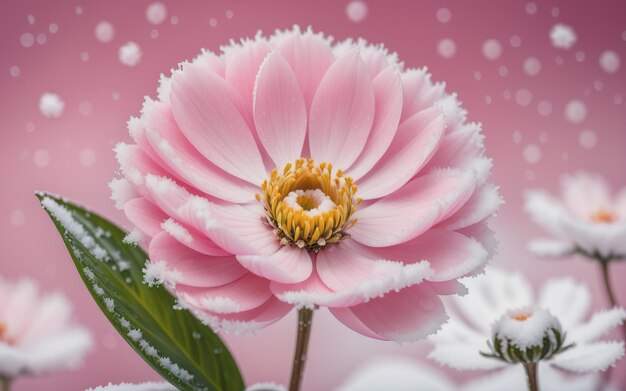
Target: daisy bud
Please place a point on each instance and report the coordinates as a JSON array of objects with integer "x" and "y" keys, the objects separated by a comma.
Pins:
[{"x": 526, "y": 335}]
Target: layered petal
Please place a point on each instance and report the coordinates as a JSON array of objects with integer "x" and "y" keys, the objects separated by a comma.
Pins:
[
  {"x": 600, "y": 324},
  {"x": 412, "y": 210},
  {"x": 206, "y": 107},
  {"x": 279, "y": 110},
  {"x": 598, "y": 356},
  {"x": 584, "y": 194},
  {"x": 342, "y": 112},
  {"x": 407, "y": 315}
]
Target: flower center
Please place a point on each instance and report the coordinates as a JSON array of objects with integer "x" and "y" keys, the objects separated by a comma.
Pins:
[
  {"x": 521, "y": 317},
  {"x": 604, "y": 216},
  {"x": 3, "y": 330},
  {"x": 308, "y": 205}
]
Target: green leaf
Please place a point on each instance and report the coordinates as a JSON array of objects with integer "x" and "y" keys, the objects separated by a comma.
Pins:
[{"x": 177, "y": 345}]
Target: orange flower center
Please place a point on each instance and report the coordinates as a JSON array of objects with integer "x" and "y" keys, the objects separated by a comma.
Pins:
[
  {"x": 521, "y": 317},
  {"x": 3, "y": 330},
  {"x": 603, "y": 216},
  {"x": 309, "y": 205}
]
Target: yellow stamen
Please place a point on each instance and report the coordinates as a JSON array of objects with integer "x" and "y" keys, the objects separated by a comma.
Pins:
[
  {"x": 603, "y": 216},
  {"x": 310, "y": 222}
]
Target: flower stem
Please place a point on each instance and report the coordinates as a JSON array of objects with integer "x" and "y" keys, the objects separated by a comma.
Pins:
[
  {"x": 604, "y": 263},
  {"x": 531, "y": 375},
  {"x": 305, "y": 320},
  {"x": 5, "y": 383}
]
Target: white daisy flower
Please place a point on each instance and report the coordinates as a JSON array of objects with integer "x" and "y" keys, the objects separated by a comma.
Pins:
[
  {"x": 37, "y": 335},
  {"x": 404, "y": 374},
  {"x": 587, "y": 219},
  {"x": 551, "y": 328}
]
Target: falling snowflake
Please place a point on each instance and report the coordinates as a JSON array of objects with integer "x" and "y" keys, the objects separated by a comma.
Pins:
[
  {"x": 130, "y": 54},
  {"x": 51, "y": 105},
  {"x": 609, "y": 61},
  {"x": 563, "y": 36}
]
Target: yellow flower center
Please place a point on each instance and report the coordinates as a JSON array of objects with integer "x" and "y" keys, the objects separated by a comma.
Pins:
[
  {"x": 603, "y": 216},
  {"x": 307, "y": 205}
]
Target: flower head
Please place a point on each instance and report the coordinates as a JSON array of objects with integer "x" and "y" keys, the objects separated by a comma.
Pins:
[
  {"x": 36, "y": 332},
  {"x": 290, "y": 171},
  {"x": 500, "y": 319},
  {"x": 587, "y": 219}
]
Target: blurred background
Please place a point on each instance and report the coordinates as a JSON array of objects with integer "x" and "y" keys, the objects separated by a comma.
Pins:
[{"x": 545, "y": 111}]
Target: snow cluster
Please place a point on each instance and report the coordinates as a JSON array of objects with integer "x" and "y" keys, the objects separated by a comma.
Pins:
[
  {"x": 51, "y": 105},
  {"x": 526, "y": 327},
  {"x": 563, "y": 36},
  {"x": 130, "y": 54},
  {"x": 147, "y": 386}
]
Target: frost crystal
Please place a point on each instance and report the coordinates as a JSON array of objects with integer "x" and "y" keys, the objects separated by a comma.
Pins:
[
  {"x": 51, "y": 105},
  {"x": 130, "y": 54},
  {"x": 562, "y": 36}
]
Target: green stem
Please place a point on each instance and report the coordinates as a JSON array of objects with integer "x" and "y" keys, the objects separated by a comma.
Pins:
[
  {"x": 305, "y": 320},
  {"x": 531, "y": 376},
  {"x": 5, "y": 383}
]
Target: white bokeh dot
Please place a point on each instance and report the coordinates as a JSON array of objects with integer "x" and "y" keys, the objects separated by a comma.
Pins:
[
  {"x": 588, "y": 138},
  {"x": 174, "y": 20},
  {"x": 609, "y": 61},
  {"x": 515, "y": 41},
  {"x": 104, "y": 31},
  {"x": 562, "y": 36},
  {"x": 41, "y": 158},
  {"x": 213, "y": 22},
  {"x": 532, "y": 153},
  {"x": 532, "y": 66},
  {"x": 78, "y": 10},
  {"x": 503, "y": 70},
  {"x": 523, "y": 97},
  {"x": 580, "y": 56},
  {"x": 575, "y": 111},
  {"x": 85, "y": 108},
  {"x": 492, "y": 49},
  {"x": 130, "y": 54},
  {"x": 84, "y": 56},
  {"x": 156, "y": 12},
  {"x": 230, "y": 14},
  {"x": 478, "y": 75},
  {"x": 544, "y": 108},
  {"x": 446, "y": 48},
  {"x": 154, "y": 34},
  {"x": 444, "y": 15},
  {"x": 27, "y": 40},
  {"x": 51, "y": 105},
  {"x": 14, "y": 71},
  {"x": 356, "y": 11},
  {"x": 531, "y": 8},
  {"x": 555, "y": 11},
  {"x": 87, "y": 157},
  {"x": 31, "y": 19},
  {"x": 53, "y": 28},
  {"x": 42, "y": 38},
  {"x": 517, "y": 137},
  {"x": 17, "y": 217}
]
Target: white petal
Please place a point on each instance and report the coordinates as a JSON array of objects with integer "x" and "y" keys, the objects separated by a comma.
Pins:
[
  {"x": 266, "y": 387},
  {"x": 464, "y": 357},
  {"x": 566, "y": 299},
  {"x": 592, "y": 357},
  {"x": 396, "y": 374},
  {"x": 551, "y": 248},
  {"x": 601, "y": 323},
  {"x": 60, "y": 352},
  {"x": 491, "y": 295},
  {"x": 546, "y": 211}
]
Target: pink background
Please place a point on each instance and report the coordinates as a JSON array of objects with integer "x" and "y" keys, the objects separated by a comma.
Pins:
[{"x": 31, "y": 247}]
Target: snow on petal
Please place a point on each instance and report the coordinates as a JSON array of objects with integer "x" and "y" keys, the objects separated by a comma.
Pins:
[
  {"x": 146, "y": 386},
  {"x": 600, "y": 324},
  {"x": 597, "y": 356}
]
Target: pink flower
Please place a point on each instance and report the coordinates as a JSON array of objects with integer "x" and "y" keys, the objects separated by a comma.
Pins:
[
  {"x": 290, "y": 171},
  {"x": 36, "y": 333}
]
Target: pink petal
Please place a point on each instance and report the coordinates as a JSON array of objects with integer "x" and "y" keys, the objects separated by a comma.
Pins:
[
  {"x": 181, "y": 157},
  {"x": 408, "y": 315},
  {"x": 348, "y": 268},
  {"x": 342, "y": 112},
  {"x": 135, "y": 164},
  {"x": 413, "y": 209},
  {"x": 242, "y": 65},
  {"x": 212, "y": 62},
  {"x": 145, "y": 215},
  {"x": 193, "y": 268},
  {"x": 414, "y": 144},
  {"x": 388, "y": 96},
  {"x": 450, "y": 254},
  {"x": 309, "y": 56},
  {"x": 248, "y": 321},
  {"x": 458, "y": 146},
  {"x": 448, "y": 288},
  {"x": 243, "y": 294},
  {"x": 482, "y": 204},
  {"x": 192, "y": 238},
  {"x": 349, "y": 319},
  {"x": 287, "y": 265},
  {"x": 279, "y": 110},
  {"x": 207, "y": 109},
  {"x": 419, "y": 93}
]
